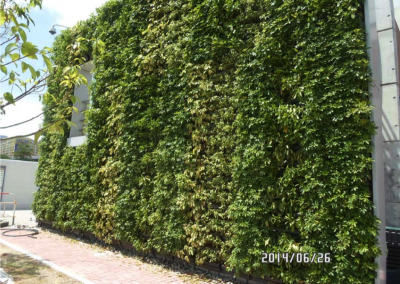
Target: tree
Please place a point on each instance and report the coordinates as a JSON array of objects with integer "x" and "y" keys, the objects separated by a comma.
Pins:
[
  {"x": 23, "y": 152},
  {"x": 14, "y": 22},
  {"x": 4, "y": 156}
]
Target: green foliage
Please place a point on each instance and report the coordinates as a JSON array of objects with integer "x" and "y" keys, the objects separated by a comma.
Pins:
[
  {"x": 4, "y": 156},
  {"x": 23, "y": 152},
  {"x": 220, "y": 130},
  {"x": 15, "y": 21}
]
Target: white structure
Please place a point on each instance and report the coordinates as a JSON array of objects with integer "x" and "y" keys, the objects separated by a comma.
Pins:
[
  {"x": 76, "y": 134},
  {"x": 18, "y": 177},
  {"x": 383, "y": 37}
]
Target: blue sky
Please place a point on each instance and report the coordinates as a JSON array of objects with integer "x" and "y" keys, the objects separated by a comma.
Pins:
[{"x": 63, "y": 12}]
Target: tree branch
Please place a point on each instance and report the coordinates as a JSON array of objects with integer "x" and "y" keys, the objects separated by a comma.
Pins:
[
  {"x": 8, "y": 40},
  {"x": 4, "y": 127},
  {"x": 32, "y": 89},
  {"x": 33, "y": 133},
  {"x": 5, "y": 64}
]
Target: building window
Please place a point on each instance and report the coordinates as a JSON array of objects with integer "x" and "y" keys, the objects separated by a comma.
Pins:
[{"x": 76, "y": 134}]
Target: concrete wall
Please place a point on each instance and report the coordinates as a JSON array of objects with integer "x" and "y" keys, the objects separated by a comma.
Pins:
[{"x": 19, "y": 179}]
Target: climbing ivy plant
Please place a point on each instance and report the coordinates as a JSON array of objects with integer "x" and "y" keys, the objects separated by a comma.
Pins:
[{"x": 220, "y": 130}]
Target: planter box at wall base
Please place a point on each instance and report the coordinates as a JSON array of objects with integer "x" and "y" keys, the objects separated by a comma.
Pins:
[
  {"x": 77, "y": 233},
  {"x": 45, "y": 223},
  {"x": 116, "y": 242},
  {"x": 211, "y": 266},
  {"x": 261, "y": 281},
  {"x": 165, "y": 257},
  {"x": 127, "y": 245},
  {"x": 89, "y": 235}
]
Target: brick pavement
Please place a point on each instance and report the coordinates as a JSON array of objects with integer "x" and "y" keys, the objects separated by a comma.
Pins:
[{"x": 93, "y": 263}]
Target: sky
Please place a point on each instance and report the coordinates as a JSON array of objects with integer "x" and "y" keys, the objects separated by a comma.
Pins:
[{"x": 62, "y": 12}]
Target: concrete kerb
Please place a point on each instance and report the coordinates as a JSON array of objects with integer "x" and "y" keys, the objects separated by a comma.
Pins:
[{"x": 47, "y": 263}]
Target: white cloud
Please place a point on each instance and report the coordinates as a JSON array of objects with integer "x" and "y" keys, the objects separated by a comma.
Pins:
[{"x": 69, "y": 12}]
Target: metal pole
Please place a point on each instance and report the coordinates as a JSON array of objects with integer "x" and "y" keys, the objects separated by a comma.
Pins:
[{"x": 15, "y": 206}]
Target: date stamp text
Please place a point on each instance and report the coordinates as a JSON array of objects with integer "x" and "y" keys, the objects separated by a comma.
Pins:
[{"x": 302, "y": 257}]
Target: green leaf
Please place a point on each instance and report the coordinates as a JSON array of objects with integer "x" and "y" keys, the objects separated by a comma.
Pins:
[
  {"x": 24, "y": 25},
  {"x": 22, "y": 34},
  {"x": 33, "y": 56},
  {"x": 33, "y": 72},
  {"x": 14, "y": 56},
  {"x": 60, "y": 130},
  {"x": 48, "y": 63},
  {"x": 24, "y": 66},
  {"x": 31, "y": 20},
  {"x": 83, "y": 46},
  {"x": 4, "y": 69},
  {"x": 9, "y": 97},
  {"x": 12, "y": 76},
  {"x": 11, "y": 14},
  {"x": 8, "y": 47},
  {"x": 70, "y": 123},
  {"x": 28, "y": 49},
  {"x": 37, "y": 135},
  {"x": 2, "y": 17},
  {"x": 46, "y": 98}
]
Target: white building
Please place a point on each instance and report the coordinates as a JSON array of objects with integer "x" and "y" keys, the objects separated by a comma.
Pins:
[{"x": 18, "y": 177}]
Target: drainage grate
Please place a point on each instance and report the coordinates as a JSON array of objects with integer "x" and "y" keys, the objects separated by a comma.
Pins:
[{"x": 393, "y": 246}]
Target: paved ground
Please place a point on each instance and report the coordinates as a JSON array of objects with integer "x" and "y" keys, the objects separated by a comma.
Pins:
[
  {"x": 22, "y": 217},
  {"x": 88, "y": 261},
  {"x": 26, "y": 270}
]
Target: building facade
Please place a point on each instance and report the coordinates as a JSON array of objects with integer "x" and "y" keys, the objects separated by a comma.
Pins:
[{"x": 8, "y": 147}]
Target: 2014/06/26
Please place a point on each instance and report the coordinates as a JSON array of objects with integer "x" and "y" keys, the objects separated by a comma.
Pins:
[{"x": 297, "y": 257}]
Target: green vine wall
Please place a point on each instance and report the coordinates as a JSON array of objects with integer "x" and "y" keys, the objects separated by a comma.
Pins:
[{"x": 219, "y": 130}]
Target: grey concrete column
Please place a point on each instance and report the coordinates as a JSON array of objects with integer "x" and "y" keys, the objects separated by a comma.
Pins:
[{"x": 381, "y": 40}]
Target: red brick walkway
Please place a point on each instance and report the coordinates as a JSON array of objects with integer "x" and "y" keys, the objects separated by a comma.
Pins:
[{"x": 92, "y": 262}]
